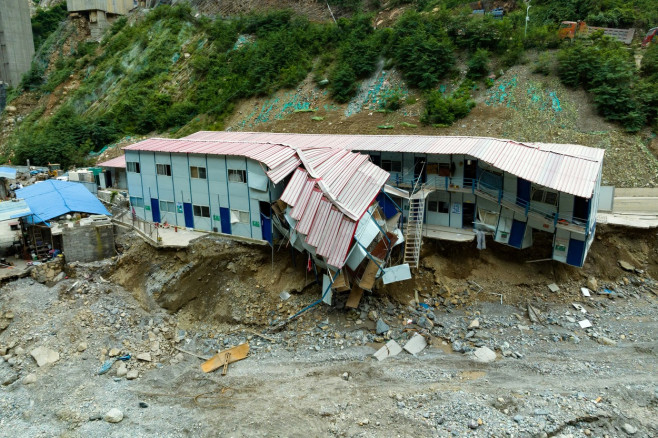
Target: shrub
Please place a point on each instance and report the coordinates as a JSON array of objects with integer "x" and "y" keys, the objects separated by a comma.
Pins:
[
  {"x": 421, "y": 49},
  {"x": 478, "y": 64}
]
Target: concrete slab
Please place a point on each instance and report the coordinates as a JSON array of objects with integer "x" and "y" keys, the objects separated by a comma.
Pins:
[
  {"x": 391, "y": 348},
  {"x": 416, "y": 344}
]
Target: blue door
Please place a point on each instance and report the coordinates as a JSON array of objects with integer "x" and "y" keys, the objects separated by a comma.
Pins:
[
  {"x": 189, "y": 215},
  {"x": 388, "y": 207},
  {"x": 516, "y": 233},
  {"x": 575, "y": 253},
  {"x": 225, "y": 216},
  {"x": 155, "y": 210},
  {"x": 522, "y": 192},
  {"x": 266, "y": 227}
]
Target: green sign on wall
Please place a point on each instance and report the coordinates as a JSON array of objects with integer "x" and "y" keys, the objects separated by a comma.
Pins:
[
  {"x": 215, "y": 217},
  {"x": 255, "y": 223}
]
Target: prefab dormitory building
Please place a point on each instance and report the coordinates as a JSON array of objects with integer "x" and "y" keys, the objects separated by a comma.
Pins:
[{"x": 222, "y": 181}]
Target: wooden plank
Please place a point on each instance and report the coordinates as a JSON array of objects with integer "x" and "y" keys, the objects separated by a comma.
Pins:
[
  {"x": 225, "y": 357},
  {"x": 368, "y": 279},
  {"x": 355, "y": 297},
  {"x": 341, "y": 284}
]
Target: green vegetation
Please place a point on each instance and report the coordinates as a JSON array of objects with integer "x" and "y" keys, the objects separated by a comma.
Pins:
[
  {"x": 606, "y": 69},
  {"x": 46, "y": 21},
  {"x": 441, "y": 110},
  {"x": 171, "y": 72}
]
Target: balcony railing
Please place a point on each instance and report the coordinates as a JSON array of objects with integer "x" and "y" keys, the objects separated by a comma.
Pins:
[{"x": 496, "y": 194}]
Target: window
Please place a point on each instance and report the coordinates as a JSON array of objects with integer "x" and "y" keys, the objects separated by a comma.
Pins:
[
  {"x": 238, "y": 216},
  {"x": 438, "y": 203},
  {"x": 392, "y": 166},
  {"x": 201, "y": 210},
  {"x": 163, "y": 169},
  {"x": 132, "y": 166},
  {"x": 137, "y": 202},
  {"x": 545, "y": 196},
  {"x": 14, "y": 226},
  {"x": 237, "y": 176},
  {"x": 198, "y": 172},
  {"x": 167, "y": 206}
]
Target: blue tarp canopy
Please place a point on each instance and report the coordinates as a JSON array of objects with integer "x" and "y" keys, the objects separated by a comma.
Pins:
[
  {"x": 53, "y": 198},
  {"x": 7, "y": 172},
  {"x": 14, "y": 209}
]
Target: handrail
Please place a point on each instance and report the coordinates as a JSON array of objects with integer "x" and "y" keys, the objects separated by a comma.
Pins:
[{"x": 448, "y": 183}]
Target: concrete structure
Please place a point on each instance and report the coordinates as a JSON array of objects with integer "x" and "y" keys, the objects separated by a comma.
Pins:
[
  {"x": 16, "y": 43},
  {"x": 100, "y": 13}
]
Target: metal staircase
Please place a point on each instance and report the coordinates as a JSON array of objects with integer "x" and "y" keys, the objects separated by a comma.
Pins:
[{"x": 414, "y": 231}]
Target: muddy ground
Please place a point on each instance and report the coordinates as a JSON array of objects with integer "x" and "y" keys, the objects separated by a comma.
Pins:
[{"x": 317, "y": 376}]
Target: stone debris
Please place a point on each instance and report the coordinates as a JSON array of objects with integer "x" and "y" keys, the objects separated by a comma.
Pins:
[
  {"x": 474, "y": 324},
  {"x": 629, "y": 429},
  {"x": 132, "y": 375},
  {"x": 122, "y": 370},
  {"x": 626, "y": 266},
  {"x": 29, "y": 379},
  {"x": 82, "y": 346},
  {"x": 484, "y": 355},
  {"x": 381, "y": 327},
  {"x": 146, "y": 357},
  {"x": 592, "y": 284},
  {"x": 114, "y": 415},
  {"x": 44, "y": 356}
]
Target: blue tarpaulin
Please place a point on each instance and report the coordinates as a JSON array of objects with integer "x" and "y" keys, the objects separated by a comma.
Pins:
[
  {"x": 53, "y": 198},
  {"x": 7, "y": 172}
]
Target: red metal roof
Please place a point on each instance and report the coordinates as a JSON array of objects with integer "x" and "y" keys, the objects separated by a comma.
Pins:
[
  {"x": 118, "y": 162},
  {"x": 568, "y": 168}
]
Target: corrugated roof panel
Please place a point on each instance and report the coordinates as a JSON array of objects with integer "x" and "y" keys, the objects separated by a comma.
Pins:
[
  {"x": 279, "y": 173},
  {"x": 304, "y": 224},
  {"x": 294, "y": 187},
  {"x": 329, "y": 233},
  {"x": 118, "y": 162},
  {"x": 298, "y": 211},
  {"x": 343, "y": 241},
  {"x": 321, "y": 216}
]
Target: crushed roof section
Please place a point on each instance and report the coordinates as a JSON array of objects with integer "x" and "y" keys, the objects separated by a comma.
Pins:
[{"x": 567, "y": 168}]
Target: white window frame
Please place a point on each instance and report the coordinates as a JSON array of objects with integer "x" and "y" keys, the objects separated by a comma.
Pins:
[
  {"x": 242, "y": 216},
  {"x": 170, "y": 206},
  {"x": 163, "y": 169},
  {"x": 392, "y": 165},
  {"x": 200, "y": 209},
  {"x": 132, "y": 166},
  {"x": 543, "y": 194},
  {"x": 198, "y": 172},
  {"x": 238, "y": 176},
  {"x": 137, "y": 204}
]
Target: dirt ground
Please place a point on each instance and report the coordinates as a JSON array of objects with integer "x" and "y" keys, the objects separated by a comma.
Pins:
[{"x": 317, "y": 376}]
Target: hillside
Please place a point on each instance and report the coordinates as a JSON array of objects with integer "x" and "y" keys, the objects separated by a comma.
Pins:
[{"x": 425, "y": 67}]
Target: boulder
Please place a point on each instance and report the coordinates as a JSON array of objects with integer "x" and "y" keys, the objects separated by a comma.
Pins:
[{"x": 44, "y": 356}]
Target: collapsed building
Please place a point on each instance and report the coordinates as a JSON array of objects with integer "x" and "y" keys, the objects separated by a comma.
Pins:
[{"x": 344, "y": 199}]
